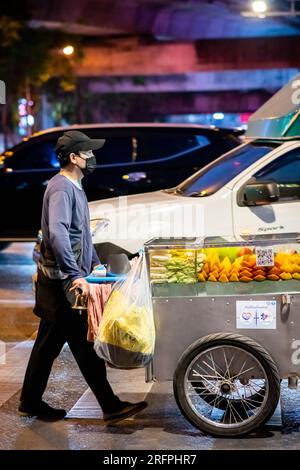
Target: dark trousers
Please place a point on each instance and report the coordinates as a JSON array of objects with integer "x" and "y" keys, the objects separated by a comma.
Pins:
[{"x": 70, "y": 327}]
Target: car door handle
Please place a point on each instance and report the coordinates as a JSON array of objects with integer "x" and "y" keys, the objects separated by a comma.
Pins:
[{"x": 134, "y": 176}]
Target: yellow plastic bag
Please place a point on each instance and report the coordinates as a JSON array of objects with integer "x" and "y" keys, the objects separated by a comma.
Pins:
[{"x": 126, "y": 334}]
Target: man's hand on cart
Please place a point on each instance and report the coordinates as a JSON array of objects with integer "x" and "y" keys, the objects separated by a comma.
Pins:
[{"x": 81, "y": 284}]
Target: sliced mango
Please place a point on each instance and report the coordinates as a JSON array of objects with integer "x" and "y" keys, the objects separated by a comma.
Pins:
[
  {"x": 206, "y": 268},
  {"x": 225, "y": 272},
  {"x": 235, "y": 268},
  {"x": 215, "y": 266},
  {"x": 273, "y": 277},
  {"x": 287, "y": 268},
  {"x": 234, "y": 278},
  {"x": 223, "y": 278},
  {"x": 296, "y": 276},
  {"x": 201, "y": 277},
  {"x": 286, "y": 276},
  {"x": 212, "y": 278},
  {"x": 226, "y": 263},
  {"x": 282, "y": 258},
  {"x": 234, "y": 272},
  {"x": 214, "y": 273},
  {"x": 296, "y": 258}
]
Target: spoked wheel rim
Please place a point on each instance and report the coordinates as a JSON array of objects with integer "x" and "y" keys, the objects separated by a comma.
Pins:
[{"x": 226, "y": 386}]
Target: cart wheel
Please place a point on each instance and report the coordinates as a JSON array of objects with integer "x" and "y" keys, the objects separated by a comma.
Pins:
[{"x": 226, "y": 384}]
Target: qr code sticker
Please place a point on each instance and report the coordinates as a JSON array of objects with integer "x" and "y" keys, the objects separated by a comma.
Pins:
[{"x": 264, "y": 256}]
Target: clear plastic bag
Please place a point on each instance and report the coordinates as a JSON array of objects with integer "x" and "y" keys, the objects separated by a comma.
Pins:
[{"x": 126, "y": 334}]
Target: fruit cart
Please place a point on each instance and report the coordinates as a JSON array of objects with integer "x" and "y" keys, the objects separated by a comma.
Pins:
[{"x": 227, "y": 317}]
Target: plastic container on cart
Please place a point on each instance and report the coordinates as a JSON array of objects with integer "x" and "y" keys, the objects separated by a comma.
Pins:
[{"x": 174, "y": 261}]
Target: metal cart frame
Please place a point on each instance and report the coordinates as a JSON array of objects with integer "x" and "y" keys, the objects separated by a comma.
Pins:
[{"x": 185, "y": 319}]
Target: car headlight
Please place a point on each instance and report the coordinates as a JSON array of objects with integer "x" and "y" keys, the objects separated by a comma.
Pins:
[{"x": 98, "y": 224}]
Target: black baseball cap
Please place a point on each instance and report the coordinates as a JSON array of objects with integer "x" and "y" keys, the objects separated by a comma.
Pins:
[{"x": 76, "y": 141}]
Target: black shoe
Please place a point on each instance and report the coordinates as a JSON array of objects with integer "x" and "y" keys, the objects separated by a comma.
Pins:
[
  {"x": 41, "y": 410},
  {"x": 125, "y": 410}
]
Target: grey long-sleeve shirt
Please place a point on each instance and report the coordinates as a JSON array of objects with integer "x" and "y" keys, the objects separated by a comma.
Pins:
[{"x": 65, "y": 225}]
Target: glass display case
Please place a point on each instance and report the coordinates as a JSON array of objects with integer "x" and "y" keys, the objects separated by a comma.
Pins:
[{"x": 219, "y": 266}]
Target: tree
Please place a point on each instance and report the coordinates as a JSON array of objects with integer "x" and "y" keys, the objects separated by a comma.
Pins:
[{"x": 29, "y": 58}]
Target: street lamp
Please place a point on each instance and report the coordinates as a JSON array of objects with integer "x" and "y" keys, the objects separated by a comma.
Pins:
[{"x": 68, "y": 50}]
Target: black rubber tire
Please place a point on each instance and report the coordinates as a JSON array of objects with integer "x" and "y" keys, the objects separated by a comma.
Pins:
[{"x": 249, "y": 345}]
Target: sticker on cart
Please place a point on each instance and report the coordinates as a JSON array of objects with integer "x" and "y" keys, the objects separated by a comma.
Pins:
[
  {"x": 256, "y": 315},
  {"x": 264, "y": 256}
]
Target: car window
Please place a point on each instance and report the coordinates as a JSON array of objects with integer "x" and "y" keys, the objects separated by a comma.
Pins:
[
  {"x": 153, "y": 146},
  {"x": 210, "y": 179},
  {"x": 115, "y": 150},
  {"x": 285, "y": 171},
  {"x": 118, "y": 148},
  {"x": 34, "y": 156}
]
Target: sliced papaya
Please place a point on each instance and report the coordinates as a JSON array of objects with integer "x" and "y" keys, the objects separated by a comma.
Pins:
[
  {"x": 246, "y": 272},
  {"x": 275, "y": 270},
  {"x": 273, "y": 277},
  {"x": 245, "y": 264},
  {"x": 259, "y": 278},
  {"x": 259, "y": 272},
  {"x": 245, "y": 279}
]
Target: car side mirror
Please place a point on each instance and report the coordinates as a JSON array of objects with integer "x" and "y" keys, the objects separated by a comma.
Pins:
[{"x": 259, "y": 194}]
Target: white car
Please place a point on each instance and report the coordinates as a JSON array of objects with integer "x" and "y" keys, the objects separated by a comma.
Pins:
[{"x": 253, "y": 189}]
